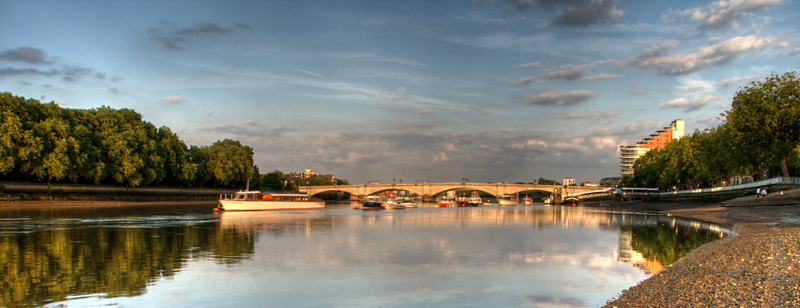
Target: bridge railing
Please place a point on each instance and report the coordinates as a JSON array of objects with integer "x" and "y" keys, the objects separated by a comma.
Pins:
[{"x": 751, "y": 185}]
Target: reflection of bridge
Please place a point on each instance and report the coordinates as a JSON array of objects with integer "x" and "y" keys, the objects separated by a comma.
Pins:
[{"x": 432, "y": 189}]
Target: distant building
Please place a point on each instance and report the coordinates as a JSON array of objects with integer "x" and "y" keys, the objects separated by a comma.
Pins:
[
  {"x": 657, "y": 140},
  {"x": 590, "y": 184},
  {"x": 569, "y": 181},
  {"x": 610, "y": 182}
]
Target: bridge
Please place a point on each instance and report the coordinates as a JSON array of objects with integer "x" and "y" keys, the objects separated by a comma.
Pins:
[{"x": 431, "y": 189}]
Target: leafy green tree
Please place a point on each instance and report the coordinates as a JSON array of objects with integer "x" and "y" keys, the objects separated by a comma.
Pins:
[
  {"x": 274, "y": 181},
  {"x": 178, "y": 170},
  {"x": 766, "y": 115},
  {"x": 198, "y": 156},
  {"x": 230, "y": 162}
]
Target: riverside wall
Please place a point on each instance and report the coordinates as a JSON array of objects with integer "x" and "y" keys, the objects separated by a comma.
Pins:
[{"x": 12, "y": 191}]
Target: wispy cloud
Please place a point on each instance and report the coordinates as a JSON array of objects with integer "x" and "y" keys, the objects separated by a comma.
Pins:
[
  {"x": 173, "y": 99},
  {"x": 524, "y": 81},
  {"x": 174, "y": 39},
  {"x": 559, "y": 98},
  {"x": 722, "y": 15},
  {"x": 28, "y": 55},
  {"x": 709, "y": 56},
  {"x": 573, "y": 13},
  {"x": 690, "y": 104},
  {"x": 587, "y": 115}
]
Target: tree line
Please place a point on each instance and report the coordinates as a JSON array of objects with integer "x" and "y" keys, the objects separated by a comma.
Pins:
[
  {"x": 44, "y": 142},
  {"x": 759, "y": 137}
]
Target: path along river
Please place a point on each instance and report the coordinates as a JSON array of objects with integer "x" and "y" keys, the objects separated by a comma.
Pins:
[{"x": 187, "y": 256}]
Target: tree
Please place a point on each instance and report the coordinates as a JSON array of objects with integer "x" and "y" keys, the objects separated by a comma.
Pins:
[
  {"x": 766, "y": 115},
  {"x": 274, "y": 181},
  {"x": 230, "y": 162}
]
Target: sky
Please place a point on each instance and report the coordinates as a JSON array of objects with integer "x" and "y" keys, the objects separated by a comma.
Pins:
[{"x": 444, "y": 91}]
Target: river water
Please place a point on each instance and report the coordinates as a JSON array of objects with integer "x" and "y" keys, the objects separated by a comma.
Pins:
[{"x": 185, "y": 256}]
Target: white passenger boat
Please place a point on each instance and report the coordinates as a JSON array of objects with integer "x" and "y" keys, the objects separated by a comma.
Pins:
[{"x": 265, "y": 201}]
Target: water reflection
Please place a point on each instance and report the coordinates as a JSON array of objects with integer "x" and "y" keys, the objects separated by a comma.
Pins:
[{"x": 427, "y": 256}]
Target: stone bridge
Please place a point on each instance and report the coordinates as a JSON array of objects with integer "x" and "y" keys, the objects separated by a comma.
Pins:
[{"x": 431, "y": 189}]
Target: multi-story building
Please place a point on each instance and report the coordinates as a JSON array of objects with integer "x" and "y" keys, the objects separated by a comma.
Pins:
[
  {"x": 657, "y": 140},
  {"x": 569, "y": 181},
  {"x": 609, "y": 182}
]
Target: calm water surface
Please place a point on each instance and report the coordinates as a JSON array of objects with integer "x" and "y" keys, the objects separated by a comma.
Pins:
[{"x": 337, "y": 257}]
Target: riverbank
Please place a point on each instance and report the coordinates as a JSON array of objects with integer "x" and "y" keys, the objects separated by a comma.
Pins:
[{"x": 759, "y": 267}]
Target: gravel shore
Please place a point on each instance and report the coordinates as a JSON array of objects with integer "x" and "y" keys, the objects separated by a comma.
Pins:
[{"x": 758, "y": 267}]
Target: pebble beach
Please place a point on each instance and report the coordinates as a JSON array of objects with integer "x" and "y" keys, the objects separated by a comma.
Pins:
[{"x": 757, "y": 267}]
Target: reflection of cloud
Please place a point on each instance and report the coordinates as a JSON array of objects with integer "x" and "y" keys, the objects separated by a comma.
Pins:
[{"x": 549, "y": 301}]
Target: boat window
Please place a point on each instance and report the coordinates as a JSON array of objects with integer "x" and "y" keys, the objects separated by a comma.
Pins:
[
  {"x": 250, "y": 197},
  {"x": 240, "y": 197}
]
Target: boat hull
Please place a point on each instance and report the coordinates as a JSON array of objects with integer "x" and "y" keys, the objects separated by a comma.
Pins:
[{"x": 258, "y": 205}]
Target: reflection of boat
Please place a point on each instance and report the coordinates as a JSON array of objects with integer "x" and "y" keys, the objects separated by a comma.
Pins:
[
  {"x": 372, "y": 203},
  {"x": 258, "y": 201},
  {"x": 571, "y": 200},
  {"x": 506, "y": 200}
]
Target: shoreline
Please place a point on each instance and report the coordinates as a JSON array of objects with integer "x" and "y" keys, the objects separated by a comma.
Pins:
[{"x": 758, "y": 266}]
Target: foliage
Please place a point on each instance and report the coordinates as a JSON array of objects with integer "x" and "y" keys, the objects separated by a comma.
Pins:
[
  {"x": 766, "y": 116},
  {"x": 106, "y": 145},
  {"x": 760, "y": 136},
  {"x": 543, "y": 181}
]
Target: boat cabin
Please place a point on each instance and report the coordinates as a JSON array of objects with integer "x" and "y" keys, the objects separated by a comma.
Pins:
[{"x": 265, "y": 196}]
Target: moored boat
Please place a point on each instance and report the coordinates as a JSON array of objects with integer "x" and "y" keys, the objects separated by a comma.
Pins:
[
  {"x": 408, "y": 203},
  {"x": 266, "y": 201},
  {"x": 506, "y": 201},
  {"x": 527, "y": 201},
  {"x": 392, "y": 204},
  {"x": 372, "y": 203},
  {"x": 474, "y": 201}
]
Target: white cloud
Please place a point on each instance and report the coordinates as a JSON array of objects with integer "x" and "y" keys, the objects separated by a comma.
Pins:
[
  {"x": 173, "y": 99},
  {"x": 524, "y": 81}
]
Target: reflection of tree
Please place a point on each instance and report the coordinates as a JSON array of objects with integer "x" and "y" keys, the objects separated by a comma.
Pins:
[
  {"x": 51, "y": 264},
  {"x": 666, "y": 244}
]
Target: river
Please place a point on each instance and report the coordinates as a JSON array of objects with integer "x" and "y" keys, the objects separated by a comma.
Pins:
[{"x": 187, "y": 256}]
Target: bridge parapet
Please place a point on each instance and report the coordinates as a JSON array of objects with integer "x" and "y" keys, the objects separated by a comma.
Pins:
[{"x": 431, "y": 189}]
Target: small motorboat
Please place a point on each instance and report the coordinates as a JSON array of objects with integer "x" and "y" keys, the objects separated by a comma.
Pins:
[{"x": 372, "y": 203}]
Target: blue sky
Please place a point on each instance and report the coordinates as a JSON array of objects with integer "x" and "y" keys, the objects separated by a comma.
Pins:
[{"x": 413, "y": 90}]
